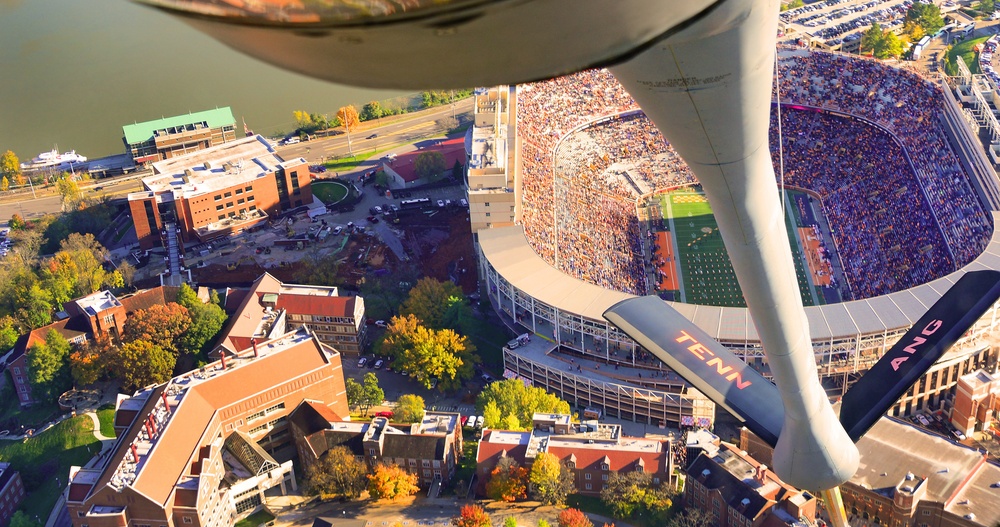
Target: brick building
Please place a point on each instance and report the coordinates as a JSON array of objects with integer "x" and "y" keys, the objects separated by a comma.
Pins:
[
  {"x": 912, "y": 477},
  {"x": 976, "y": 403},
  {"x": 271, "y": 305},
  {"x": 593, "y": 451},
  {"x": 739, "y": 491},
  {"x": 203, "y": 448},
  {"x": 83, "y": 318},
  {"x": 168, "y": 137},
  {"x": 218, "y": 191},
  {"x": 11, "y": 493},
  {"x": 429, "y": 448}
]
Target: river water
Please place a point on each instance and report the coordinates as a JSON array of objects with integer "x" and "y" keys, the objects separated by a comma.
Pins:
[{"x": 72, "y": 72}]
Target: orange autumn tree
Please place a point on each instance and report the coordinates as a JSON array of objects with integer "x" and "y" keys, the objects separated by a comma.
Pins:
[
  {"x": 508, "y": 481},
  {"x": 574, "y": 518},
  {"x": 391, "y": 482},
  {"x": 471, "y": 516}
]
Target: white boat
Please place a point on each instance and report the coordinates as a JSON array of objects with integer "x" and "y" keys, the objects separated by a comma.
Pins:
[{"x": 54, "y": 160}]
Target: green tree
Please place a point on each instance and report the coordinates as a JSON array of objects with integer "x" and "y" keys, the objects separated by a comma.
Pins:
[
  {"x": 574, "y": 518},
  {"x": 891, "y": 46},
  {"x": 35, "y": 306},
  {"x": 371, "y": 111},
  {"x": 319, "y": 270},
  {"x": 508, "y": 481},
  {"x": 21, "y": 519},
  {"x": 513, "y": 398},
  {"x": 338, "y": 473},
  {"x": 160, "y": 325},
  {"x": 355, "y": 395},
  {"x": 442, "y": 356},
  {"x": 927, "y": 15},
  {"x": 48, "y": 368},
  {"x": 629, "y": 494},
  {"x": 9, "y": 332},
  {"x": 986, "y": 6},
  {"x": 391, "y": 482},
  {"x": 437, "y": 304},
  {"x": 471, "y": 516},
  {"x": 551, "y": 481},
  {"x": 429, "y": 165},
  {"x": 409, "y": 409},
  {"x": 10, "y": 166},
  {"x": 871, "y": 39},
  {"x": 140, "y": 363},
  {"x": 206, "y": 321},
  {"x": 373, "y": 394},
  {"x": 913, "y": 31},
  {"x": 793, "y": 4},
  {"x": 510, "y": 521}
]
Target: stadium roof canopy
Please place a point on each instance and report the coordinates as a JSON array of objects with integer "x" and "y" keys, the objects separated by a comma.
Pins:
[{"x": 508, "y": 251}]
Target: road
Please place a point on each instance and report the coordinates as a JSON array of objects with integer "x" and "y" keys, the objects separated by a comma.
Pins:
[{"x": 408, "y": 129}]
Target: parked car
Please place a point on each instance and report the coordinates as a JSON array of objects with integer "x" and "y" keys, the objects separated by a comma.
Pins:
[
  {"x": 379, "y": 363},
  {"x": 384, "y": 413},
  {"x": 440, "y": 203},
  {"x": 471, "y": 422},
  {"x": 362, "y": 361},
  {"x": 380, "y": 323},
  {"x": 338, "y": 230},
  {"x": 464, "y": 203}
]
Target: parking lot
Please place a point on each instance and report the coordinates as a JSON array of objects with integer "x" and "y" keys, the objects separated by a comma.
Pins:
[{"x": 838, "y": 22}]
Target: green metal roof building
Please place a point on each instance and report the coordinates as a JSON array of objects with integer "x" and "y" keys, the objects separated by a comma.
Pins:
[{"x": 168, "y": 137}]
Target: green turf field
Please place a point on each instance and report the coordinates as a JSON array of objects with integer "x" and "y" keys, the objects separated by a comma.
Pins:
[{"x": 707, "y": 275}]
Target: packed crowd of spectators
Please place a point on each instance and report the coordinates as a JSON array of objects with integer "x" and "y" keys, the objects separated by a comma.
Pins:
[
  {"x": 588, "y": 154},
  {"x": 908, "y": 107}
]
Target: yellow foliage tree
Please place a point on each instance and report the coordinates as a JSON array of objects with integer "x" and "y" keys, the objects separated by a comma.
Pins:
[
  {"x": 348, "y": 116},
  {"x": 391, "y": 483}
]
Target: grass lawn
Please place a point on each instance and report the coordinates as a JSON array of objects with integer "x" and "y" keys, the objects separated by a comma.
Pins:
[
  {"x": 964, "y": 50},
  {"x": 707, "y": 273},
  {"x": 45, "y": 460},
  {"x": 488, "y": 339},
  {"x": 106, "y": 415},
  {"x": 123, "y": 231},
  {"x": 31, "y": 417},
  {"x": 346, "y": 164},
  {"x": 255, "y": 519},
  {"x": 329, "y": 191}
]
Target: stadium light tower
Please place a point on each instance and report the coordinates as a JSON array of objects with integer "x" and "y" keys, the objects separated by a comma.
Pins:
[{"x": 702, "y": 71}]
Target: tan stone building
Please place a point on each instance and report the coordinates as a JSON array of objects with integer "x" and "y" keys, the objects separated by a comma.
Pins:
[
  {"x": 490, "y": 179},
  {"x": 976, "y": 403}
]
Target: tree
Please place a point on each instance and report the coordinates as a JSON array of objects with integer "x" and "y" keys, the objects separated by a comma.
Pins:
[
  {"x": 373, "y": 394},
  {"x": 371, "y": 111},
  {"x": 338, "y": 473},
  {"x": 456, "y": 169},
  {"x": 141, "y": 363},
  {"x": 429, "y": 165},
  {"x": 913, "y": 31},
  {"x": 68, "y": 189},
  {"x": 16, "y": 222},
  {"x": 871, "y": 39},
  {"x": 4, "y": 184},
  {"x": 692, "y": 517},
  {"x": 21, "y": 519},
  {"x": 355, "y": 394},
  {"x": 9, "y": 332},
  {"x": 986, "y": 6},
  {"x": 927, "y": 15},
  {"x": 437, "y": 304},
  {"x": 442, "y": 356},
  {"x": 206, "y": 320},
  {"x": 574, "y": 518},
  {"x": 10, "y": 166},
  {"x": 409, "y": 409},
  {"x": 348, "y": 117},
  {"x": 793, "y": 4},
  {"x": 542, "y": 522},
  {"x": 391, "y": 482},
  {"x": 127, "y": 271},
  {"x": 89, "y": 362},
  {"x": 471, "y": 516},
  {"x": 632, "y": 493},
  {"x": 551, "y": 481},
  {"x": 319, "y": 270},
  {"x": 160, "y": 325},
  {"x": 513, "y": 398},
  {"x": 891, "y": 46},
  {"x": 48, "y": 368},
  {"x": 508, "y": 481}
]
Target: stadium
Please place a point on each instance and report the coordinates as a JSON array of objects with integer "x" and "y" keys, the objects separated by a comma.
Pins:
[{"x": 884, "y": 205}]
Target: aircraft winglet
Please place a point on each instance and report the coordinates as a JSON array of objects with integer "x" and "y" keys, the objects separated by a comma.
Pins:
[
  {"x": 698, "y": 358},
  {"x": 946, "y": 321}
]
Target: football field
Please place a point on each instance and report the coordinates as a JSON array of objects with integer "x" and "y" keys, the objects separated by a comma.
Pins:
[{"x": 706, "y": 273}]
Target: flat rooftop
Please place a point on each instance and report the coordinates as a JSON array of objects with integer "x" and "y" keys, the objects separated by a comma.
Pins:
[
  {"x": 95, "y": 303},
  {"x": 214, "y": 168}
]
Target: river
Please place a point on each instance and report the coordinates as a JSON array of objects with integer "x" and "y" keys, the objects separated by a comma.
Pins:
[{"x": 74, "y": 71}]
